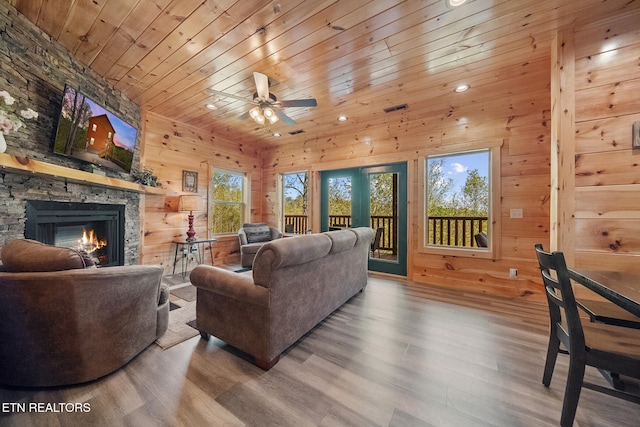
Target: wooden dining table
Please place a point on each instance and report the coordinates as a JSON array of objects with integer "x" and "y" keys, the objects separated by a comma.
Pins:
[{"x": 621, "y": 288}]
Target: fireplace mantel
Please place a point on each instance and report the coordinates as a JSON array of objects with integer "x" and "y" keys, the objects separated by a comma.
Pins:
[{"x": 27, "y": 165}]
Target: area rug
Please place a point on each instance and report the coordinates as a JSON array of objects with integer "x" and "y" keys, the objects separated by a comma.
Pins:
[
  {"x": 186, "y": 292},
  {"x": 179, "y": 330},
  {"x": 182, "y": 313}
]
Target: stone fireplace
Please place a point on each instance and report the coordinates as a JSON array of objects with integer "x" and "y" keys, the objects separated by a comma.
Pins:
[
  {"x": 95, "y": 228},
  {"x": 20, "y": 192}
]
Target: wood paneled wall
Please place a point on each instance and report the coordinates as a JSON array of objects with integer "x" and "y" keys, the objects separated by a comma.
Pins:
[
  {"x": 607, "y": 206},
  {"x": 171, "y": 147},
  {"x": 607, "y": 169},
  {"x": 518, "y": 113}
]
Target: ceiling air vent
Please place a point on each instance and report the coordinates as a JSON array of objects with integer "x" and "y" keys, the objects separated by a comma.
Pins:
[
  {"x": 295, "y": 132},
  {"x": 396, "y": 108}
]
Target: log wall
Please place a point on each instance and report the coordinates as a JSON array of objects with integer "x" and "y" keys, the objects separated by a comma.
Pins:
[
  {"x": 607, "y": 214},
  {"x": 599, "y": 217},
  {"x": 518, "y": 115},
  {"x": 171, "y": 147},
  {"x": 607, "y": 169}
]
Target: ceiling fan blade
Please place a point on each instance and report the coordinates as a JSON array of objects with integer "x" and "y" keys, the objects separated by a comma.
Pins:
[
  {"x": 284, "y": 118},
  {"x": 262, "y": 85},
  {"x": 299, "y": 103},
  {"x": 244, "y": 116},
  {"x": 228, "y": 95}
]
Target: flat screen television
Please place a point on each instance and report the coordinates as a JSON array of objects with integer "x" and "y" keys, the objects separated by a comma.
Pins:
[{"x": 87, "y": 131}]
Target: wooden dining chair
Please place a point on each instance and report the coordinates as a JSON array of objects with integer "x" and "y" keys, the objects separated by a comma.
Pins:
[{"x": 605, "y": 347}]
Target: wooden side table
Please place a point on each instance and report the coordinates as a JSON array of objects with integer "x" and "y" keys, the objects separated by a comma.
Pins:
[{"x": 195, "y": 247}]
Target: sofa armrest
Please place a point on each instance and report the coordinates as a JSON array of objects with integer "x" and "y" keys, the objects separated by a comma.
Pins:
[
  {"x": 242, "y": 237},
  {"x": 232, "y": 285}
]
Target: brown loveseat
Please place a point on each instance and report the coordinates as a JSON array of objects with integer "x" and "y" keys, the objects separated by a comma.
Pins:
[
  {"x": 63, "y": 321},
  {"x": 295, "y": 283}
]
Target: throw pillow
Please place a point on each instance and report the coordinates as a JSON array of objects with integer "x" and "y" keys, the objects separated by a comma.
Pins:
[
  {"x": 258, "y": 232},
  {"x": 24, "y": 255}
]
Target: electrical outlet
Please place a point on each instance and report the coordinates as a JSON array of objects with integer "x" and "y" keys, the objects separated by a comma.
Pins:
[
  {"x": 513, "y": 272},
  {"x": 515, "y": 213}
]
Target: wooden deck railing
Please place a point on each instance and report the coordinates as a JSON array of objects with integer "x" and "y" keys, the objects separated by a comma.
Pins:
[
  {"x": 455, "y": 231},
  {"x": 443, "y": 230},
  {"x": 298, "y": 224}
]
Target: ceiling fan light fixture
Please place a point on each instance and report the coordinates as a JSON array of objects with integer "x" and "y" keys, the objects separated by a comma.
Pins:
[
  {"x": 268, "y": 112},
  {"x": 256, "y": 113},
  {"x": 264, "y": 101}
]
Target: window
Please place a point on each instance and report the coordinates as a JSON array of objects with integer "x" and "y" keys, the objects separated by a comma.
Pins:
[
  {"x": 340, "y": 201},
  {"x": 227, "y": 201},
  {"x": 295, "y": 202},
  {"x": 460, "y": 202}
]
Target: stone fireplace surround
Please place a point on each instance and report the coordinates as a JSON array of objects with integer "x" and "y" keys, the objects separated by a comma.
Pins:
[
  {"x": 35, "y": 68},
  {"x": 17, "y": 188}
]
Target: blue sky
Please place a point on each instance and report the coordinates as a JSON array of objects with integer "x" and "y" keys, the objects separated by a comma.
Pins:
[
  {"x": 457, "y": 166},
  {"x": 125, "y": 134}
]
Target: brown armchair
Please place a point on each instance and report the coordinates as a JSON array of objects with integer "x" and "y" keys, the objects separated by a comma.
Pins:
[
  {"x": 252, "y": 237},
  {"x": 63, "y": 323}
]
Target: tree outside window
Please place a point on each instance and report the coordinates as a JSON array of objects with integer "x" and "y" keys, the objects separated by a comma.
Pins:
[
  {"x": 295, "y": 201},
  {"x": 340, "y": 201},
  {"x": 458, "y": 198},
  {"x": 227, "y": 206}
]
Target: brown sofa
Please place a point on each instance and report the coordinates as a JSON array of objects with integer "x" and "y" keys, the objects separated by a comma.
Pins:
[
  {"x": 295, "y": 283},
  {"x": 63, "y": 321}
]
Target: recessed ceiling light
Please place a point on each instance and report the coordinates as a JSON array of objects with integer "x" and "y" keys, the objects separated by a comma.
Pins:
[
  {"x": 462, "y": 88},
  {"x": 211, "y": 106},
  {"x": 276, "y": 134},
  {"x": 454, "y": 3},
  {"x": 342, "y": 118}
]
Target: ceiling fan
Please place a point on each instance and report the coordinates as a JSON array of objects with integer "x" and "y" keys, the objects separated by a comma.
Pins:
[{"x": 267, "y": 107}]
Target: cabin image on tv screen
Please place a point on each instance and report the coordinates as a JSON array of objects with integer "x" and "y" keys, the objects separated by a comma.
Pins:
[{"x": 88, "y": 132}]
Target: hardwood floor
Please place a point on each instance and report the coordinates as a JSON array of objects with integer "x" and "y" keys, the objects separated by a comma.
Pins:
[{"x": 399, "y": 354}]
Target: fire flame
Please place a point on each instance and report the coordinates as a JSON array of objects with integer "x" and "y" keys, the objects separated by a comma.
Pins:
[{"x": 90, "y": 242}]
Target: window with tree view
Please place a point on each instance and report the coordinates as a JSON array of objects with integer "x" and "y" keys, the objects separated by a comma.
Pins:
[
  {"x": 295, "y": 202},
  {"x": 227, "y": 201},
  {"x": 458, "y": 199},
  {"x": 340, "y": 201}
]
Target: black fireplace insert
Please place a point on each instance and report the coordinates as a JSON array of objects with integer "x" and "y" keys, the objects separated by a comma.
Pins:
[{"x": 95, "y": 228}]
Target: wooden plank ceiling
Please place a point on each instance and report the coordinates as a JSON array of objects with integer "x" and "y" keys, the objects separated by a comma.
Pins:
[{"x": 356, "y": 57}]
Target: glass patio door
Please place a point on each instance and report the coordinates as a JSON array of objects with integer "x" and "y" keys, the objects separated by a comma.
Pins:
[{"x": 373, "y": 197}]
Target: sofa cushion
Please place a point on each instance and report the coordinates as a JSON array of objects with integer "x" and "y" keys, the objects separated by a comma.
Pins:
[
  {"x": 293, "y": 251},
  {"x": 259, "y": 232},
  {"x": 24, "y": 255},
  {"x": 341, "y": 240}
]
